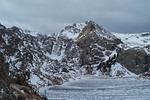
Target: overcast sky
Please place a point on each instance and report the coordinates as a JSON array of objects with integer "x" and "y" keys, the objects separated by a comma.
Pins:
[{"x": 50, "y": 16}]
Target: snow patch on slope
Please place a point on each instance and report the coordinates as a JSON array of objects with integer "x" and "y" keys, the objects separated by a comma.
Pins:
[
  {"x": 117, "y": 70},
  {"x": 102, "y": 32},
  {"x": 34, "y": 79},
  {"x": 147, "y": 51},
  {"x": 72, "y": 32},
  {"x": 134, "y": 39}
]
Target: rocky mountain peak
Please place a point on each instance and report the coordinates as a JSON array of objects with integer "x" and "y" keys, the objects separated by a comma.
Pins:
[
  {"x": 92, "y": 28},
  {"x": 72, "y": 31},
  {"x": 80, "y": 29},
  {"x": 37, "y": 61},
  {"x": 89, "y": 27}
]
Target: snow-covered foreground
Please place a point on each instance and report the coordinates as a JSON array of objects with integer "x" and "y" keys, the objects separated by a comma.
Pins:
[{"x": 95, "y": 88}]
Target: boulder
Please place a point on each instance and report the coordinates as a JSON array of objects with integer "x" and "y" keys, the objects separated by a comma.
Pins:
[{"x": 135, "y": 59}]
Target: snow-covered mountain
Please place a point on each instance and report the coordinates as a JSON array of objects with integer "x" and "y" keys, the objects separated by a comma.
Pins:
[
  {"x": 135, "y": 53},
  {"x": 135, "y": 39},
  {"x": 34, "y": 61}
]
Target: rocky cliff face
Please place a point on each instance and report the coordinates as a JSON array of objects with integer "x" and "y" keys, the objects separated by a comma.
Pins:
[
  {"x": 97, "y": 46},
  {"x": 15, "y": 62},
  {"x": 135, "y": 51},
  {"x": 31, "y": 62},
  {"x": 135, "y": 59},
  {"x": 36, "y": 61}
]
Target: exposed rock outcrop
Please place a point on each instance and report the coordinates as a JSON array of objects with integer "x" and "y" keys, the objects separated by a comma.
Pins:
[{"x": 135, "y": 59}]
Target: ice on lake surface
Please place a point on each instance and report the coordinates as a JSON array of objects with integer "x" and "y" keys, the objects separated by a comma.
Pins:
[{"x": 95, "y": 88}]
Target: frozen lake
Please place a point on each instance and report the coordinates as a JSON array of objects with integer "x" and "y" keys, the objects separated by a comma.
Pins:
[{"x": 95, "y": 88}]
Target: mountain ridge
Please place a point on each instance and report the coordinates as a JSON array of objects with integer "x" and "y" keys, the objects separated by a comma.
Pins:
[{"x": 37, "y": 61}]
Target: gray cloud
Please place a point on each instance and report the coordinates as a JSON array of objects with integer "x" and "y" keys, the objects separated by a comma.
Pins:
[{"x": 52, "y": 15}]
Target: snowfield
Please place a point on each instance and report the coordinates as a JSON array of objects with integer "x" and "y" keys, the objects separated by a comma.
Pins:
[
  {"x": 134, "y": 39},
  {"x": 100, "y": 88}
]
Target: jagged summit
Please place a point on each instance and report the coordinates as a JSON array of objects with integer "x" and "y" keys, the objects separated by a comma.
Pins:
[
  {"x": 72, "y": 31},
  {"x": 79, "y": 30},
  {"x": 92, "y": 27}
]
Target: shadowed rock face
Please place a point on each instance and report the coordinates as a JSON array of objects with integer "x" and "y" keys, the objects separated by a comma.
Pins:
[
  {"x": 93, "y": 42},
  {"x": 136, "y": 60},
  {"x": 15, "y": 91},
  {"x": 5, "y": 93},
  {"x": 10, "y": 41},
  {"x": 4, "y": 68}
]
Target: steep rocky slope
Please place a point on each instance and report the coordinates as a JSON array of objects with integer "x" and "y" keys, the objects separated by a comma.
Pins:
[
  {"x": 35, "y": 61},
  {"x": 135, "y": 53}
]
